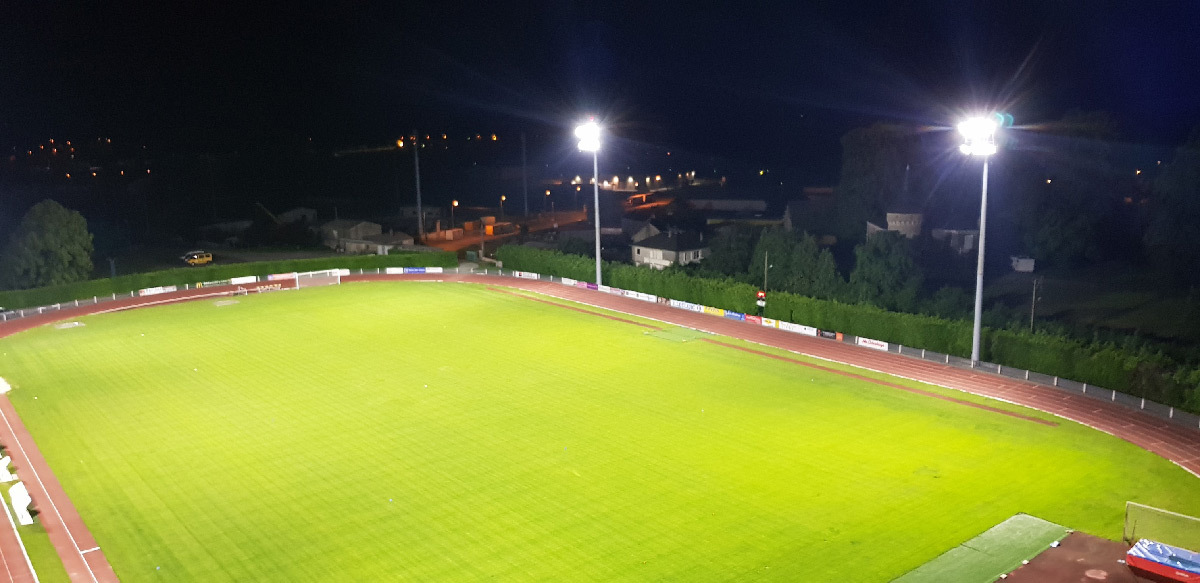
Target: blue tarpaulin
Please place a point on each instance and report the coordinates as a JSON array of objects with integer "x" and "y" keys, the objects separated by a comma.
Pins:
[{"x": 1174, "y": 557}]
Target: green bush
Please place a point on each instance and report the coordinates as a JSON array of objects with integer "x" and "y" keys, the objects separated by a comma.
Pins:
[{"x": 190, "y": 275}]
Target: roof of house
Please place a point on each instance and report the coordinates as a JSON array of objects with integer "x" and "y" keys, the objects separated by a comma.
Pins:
[
  {"x": 673, "y": 241},
  {"x": 340, "y": 224}
]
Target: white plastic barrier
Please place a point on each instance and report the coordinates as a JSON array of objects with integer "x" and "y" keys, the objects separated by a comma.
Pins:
[{"x": 20, "y": 503}]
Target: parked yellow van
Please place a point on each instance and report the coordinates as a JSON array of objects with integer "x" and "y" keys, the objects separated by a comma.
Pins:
[{"x": 196, "y": 258}]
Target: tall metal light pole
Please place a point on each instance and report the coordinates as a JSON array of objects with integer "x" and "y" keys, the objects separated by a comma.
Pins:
[
  {"x": 979, "y": 135},
  {"x": 417, "y": 171},
  {"x": 589, "y": 141}
]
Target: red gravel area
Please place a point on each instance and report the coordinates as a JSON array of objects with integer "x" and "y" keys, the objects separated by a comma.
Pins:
[
  {"x": 86, "y": 563},
  {"x": 1080, "y": 558}
]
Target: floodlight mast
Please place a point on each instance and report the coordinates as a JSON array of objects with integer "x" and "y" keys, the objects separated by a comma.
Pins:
[
  {"x": 979, "y": 135},
  {"x": 589, "y": 141}
]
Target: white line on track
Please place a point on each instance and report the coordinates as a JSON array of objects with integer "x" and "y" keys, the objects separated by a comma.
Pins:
[
  {"x": 66, "y": 528},
  {"x": 19, "y": 541},
  {"x": 89, "y": 550}
]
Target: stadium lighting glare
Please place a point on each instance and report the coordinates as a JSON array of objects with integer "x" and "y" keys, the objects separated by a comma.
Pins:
[
  {"x": 979, "y": 139},
  {"x": 979, "y": 135},
  {"x": 589, "y": 141},
  {"x": 589, "y": 136}
]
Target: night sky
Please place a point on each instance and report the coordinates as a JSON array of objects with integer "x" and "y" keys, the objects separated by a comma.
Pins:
[{"x": 776, "y": 82}]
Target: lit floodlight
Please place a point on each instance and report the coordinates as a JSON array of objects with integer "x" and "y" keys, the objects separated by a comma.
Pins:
[
  {"x": 979, "y": 134},
  {"x": 589, "y": 136}
]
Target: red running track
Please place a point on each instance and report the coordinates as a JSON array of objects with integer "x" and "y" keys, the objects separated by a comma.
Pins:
[
  {"x": 85, "y": 562},
  {"x": 1174, "y": 442}
]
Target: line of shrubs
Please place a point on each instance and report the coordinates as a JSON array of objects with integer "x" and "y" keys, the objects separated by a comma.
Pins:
[
  {"x": 1139, "y": 372},
  {"x": 15, "y": 299}
]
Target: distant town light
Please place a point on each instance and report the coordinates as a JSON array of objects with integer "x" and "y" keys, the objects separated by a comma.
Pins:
[
  {"x": 1138, "y": 172},
  {"x": 454, "y": 203},
  {"x": 68, "y": 174},
  {"x": 399, "y": 143},
  {"x": 1048, "y": 181},
  {"x": 494, "y": 137}
]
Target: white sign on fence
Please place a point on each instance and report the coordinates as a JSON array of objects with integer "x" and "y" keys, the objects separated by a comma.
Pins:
[
  {"x": 243, "y": 280},
  {"x": 770, "y": 322},
  {"x": 526, "y": 275},
  {"x": 433, "y": 270},
  {"x": 153, "y": 291},
  {"x": 872, "y": 343},
  {"x": 568, "y": 281},
  {"x": 805, "y": 330},
  {"x": 394, "y": 270}
]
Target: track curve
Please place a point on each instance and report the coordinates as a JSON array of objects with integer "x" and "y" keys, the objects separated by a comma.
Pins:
[{"x": 85, "y": 562}]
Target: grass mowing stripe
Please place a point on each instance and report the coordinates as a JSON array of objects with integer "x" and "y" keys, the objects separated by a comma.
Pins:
[{"x": 398, "y": 431}]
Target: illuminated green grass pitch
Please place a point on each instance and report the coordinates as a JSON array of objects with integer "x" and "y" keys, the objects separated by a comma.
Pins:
[{"x": 445, "y": 432}]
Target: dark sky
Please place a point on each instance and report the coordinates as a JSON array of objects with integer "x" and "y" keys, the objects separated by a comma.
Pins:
[{"x": 773, "y": 81}]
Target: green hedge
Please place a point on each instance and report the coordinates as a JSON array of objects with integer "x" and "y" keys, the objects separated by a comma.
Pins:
[
  {"x": 1153, "y": 376},
  {"x": 15, "y": 299}
]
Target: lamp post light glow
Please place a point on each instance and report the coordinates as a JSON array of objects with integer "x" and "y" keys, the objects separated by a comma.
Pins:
[
  {"x": 589, "y": 141},
  {"x": 979, "y": 139},
  {"x": 453, "y": 205}
]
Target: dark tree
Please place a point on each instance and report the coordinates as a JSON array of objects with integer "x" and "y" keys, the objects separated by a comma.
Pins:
[
  {"x": 1173, "y": 235},
  {"x": 885, "y": 273},
  {"x": 51, "y": 246},
  {"x": 873, "y": 161}
]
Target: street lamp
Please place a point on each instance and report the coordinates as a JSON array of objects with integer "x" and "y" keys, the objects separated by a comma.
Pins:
[
  {"x": 589, "y": 141},
  {"x": 453, "y": 205},
  {"x": 502, "y": 199},
  {"x": 544, "y": 201},
  {"x": 979, "y": 139}
]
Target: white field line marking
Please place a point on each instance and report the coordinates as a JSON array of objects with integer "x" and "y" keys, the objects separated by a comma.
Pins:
[
  {"x": 19, "y": 541},
  {"x": 54, "y": 507},
  {"x": 89, "y": 550},
  {"x": 892, "y": 374},
  {"x": 168, "y": 301}
]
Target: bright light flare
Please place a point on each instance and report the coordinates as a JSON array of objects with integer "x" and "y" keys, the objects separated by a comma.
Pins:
[
  {"x": 980, "y": 136},
  {"x": 589, "y": 136}
]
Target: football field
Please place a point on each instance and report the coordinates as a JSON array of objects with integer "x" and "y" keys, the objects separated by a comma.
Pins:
[{"x": 451, "y": 432}]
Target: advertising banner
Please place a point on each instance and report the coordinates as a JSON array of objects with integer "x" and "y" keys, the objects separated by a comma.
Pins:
[
  {"x": 647, "y": 297},
  {"x": 591, "y": 286},
  {"x": 797, "y": 328},
  {"x": 585, "y": 285},
  {"x": 280, "y": 276},
  {"x": 604, "y": 288},
  {"x": 152, "y": 291},
  {"x": 433, "y": 270},
  {"x": 735, "y": 316},
  {"x": 526, "y": 275},
  {"x": 414, "y": 270},
  {"x": 770, "y": 322},
  {"x": 663, "y": 301},
  {"x": 568, "y": 281},
  {"x": 213, "y": 283},
  {"x": 394, "y": 270},
  {"x": 754, "y": 320},
  {"x": 242, "y": 280},
  {"x": 827, "y": 334},
  {"x": 872, "y": 343},
  {"x": 714, "y": 311}
]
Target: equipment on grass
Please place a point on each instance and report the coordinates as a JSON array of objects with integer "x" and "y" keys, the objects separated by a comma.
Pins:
[{"x": 1164, "y": 526}]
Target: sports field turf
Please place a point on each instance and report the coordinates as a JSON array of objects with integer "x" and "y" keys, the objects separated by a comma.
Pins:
[{"x": 446, "y": 432}]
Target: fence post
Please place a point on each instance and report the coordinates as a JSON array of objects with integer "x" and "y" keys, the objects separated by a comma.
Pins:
[
  {"x": 1114, "y": 397},
  {"x": 1026, "y": 374},
  {"x": 999, "y": 369},
  {"x": 922, "y": 353},
  {"x": 1143, "y": 402},
  {"x": 1056, "y": 381},
  {"x": 947, "y": 359},
  {"x": 1171, "y": 413},
  {"x": 114, "y": 295},
  {"x": 76, "y": 303},
  {"x": 1085, "y": 388},
  {"x": 95, "y": 299}
]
